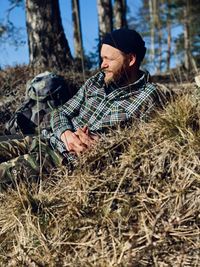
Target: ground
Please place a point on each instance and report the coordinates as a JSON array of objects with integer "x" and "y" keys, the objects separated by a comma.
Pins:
[{"x": 133, "y": 201}]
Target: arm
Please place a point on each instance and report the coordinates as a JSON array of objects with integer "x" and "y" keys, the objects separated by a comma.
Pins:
[
  {"x": 143, "y": 105},
  {"x": 63, "y": 129},
  {"x": 61, "y": 117},
  {"x": 61, "y": 123}
]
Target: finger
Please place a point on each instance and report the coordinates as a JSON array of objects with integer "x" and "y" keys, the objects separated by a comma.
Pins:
[
  {"x": 95, "y": 137},
  {"x": 64, "y": 140},
  {"x": 72, "y": 142},
  {"x": 77, "y": 140},
  {"x": 81, "y": 131},
  {"x": 84, "y": 129},
  {"x": 66, "y": 145},
  {"x": 78, "y": 149},
  {"x": 84, "y": 138}
]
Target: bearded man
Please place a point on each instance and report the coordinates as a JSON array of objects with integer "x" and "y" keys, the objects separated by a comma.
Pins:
[{"x": 120, "y": 92}]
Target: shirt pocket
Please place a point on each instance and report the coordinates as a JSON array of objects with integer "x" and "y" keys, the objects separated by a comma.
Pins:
[{"x": 115, "y": 115}]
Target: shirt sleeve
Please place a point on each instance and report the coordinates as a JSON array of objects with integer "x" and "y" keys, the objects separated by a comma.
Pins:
[
  {"x": 143, "y": 104},
  {"x": 61, "y": 117}
]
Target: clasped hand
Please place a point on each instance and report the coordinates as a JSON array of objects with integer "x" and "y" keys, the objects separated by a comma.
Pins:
[{"x": 79, "y": 141}]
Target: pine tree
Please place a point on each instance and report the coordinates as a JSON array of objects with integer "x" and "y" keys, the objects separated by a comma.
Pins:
[
  {"x": 188, "y": 42},
  {"x": 105, "y": 17},
  {"x": 78, "y": 43},
  {"x": 48, "y": 46},
  {"x": 119, "y": 11}
]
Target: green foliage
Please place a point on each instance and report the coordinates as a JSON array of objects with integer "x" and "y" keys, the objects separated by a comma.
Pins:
[
  {"x": 16, "y": 2},
  {"x": 170, "y": 11},
  {"x": 2, "y": 29},
  {"x": 9, "y": 33},
  {"x": 194, "y": 22}
]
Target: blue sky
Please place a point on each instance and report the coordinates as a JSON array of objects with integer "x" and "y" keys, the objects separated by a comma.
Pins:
[{"x": 9, "y": 55}]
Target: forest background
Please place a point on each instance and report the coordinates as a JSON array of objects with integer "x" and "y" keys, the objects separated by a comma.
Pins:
[
  {"x": 170, "y": 29},
  {"x": 134, "y": 199}
]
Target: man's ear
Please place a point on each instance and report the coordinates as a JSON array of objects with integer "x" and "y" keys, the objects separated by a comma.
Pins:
[{"x": 132, "y": 59}]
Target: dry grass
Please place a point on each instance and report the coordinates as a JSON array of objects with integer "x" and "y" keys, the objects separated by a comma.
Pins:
[
  {"x": 12, "y": 91},
  {"x": 134, "y": 201}
]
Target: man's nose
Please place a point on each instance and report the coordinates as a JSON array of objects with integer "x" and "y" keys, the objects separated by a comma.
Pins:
[{"x": 104, "y": 64}]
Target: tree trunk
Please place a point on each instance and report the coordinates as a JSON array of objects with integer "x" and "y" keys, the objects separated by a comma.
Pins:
[
  {"x": 48, "y": 46},
  {"x": 159, "y": 32},
  {"x": 152, "y": 30},
  {"x": 120, "y": 14},
  {"x": 104, "y": 17},
  {"x": 104, "y": 9},
  {"x": 187, "y": 36},
  {"x": 169, "y": 35},
  {"x": 78, "y": 44}
]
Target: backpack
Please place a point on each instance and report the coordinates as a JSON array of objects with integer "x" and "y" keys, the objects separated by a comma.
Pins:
[{"x": 43, "y": 93}]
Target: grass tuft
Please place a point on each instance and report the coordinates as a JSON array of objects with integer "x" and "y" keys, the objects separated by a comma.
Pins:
[{"x": 132, "y": 201}]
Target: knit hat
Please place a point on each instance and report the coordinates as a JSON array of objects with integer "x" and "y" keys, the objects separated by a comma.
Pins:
[{"x": 127, "y": 41}]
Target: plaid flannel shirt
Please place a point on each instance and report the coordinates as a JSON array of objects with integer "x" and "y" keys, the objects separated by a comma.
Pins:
[{"x": 95, "y": 107}]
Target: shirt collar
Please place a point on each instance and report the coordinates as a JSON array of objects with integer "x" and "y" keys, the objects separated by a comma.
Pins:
[{"x": 132, "y": 86}]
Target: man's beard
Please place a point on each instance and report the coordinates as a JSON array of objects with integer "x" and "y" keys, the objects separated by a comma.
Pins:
[{"x": 118, "y": 79}]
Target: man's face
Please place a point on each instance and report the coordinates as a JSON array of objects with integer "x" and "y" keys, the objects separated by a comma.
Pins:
[{"x": 115, "y": 64}]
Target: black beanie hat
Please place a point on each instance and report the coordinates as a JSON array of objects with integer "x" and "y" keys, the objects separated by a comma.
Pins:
[{"x": 127, "y": 41}]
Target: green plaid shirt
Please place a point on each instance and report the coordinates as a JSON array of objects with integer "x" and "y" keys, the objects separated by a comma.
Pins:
[{"x": 99, "y": 107}]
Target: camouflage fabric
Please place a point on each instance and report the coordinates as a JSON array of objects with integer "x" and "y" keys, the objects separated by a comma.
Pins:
[{"x": 26, "y": 159}]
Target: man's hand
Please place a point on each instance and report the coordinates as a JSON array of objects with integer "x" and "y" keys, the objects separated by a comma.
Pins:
[
  {"x": 79, "y": 141},
  {"x": 86, "y": 137},
  {"x": 72, "y": 142}
]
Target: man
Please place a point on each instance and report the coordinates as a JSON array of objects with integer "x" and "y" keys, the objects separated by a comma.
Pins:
[{"x": 118, "y": 93}]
